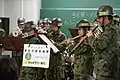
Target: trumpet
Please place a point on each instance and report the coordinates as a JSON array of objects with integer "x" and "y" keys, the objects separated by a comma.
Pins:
[
  {"x": 15, "y": 33},
  {"x": 70, "y": 39},
  {"x": 18, "y": 33}
]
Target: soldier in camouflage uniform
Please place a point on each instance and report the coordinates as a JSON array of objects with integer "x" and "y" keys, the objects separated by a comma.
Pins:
[
  {"x": 43, "y": 25},
  {"x": 116, "y": 20},
  {"x": 105, "y": 46},
  {"x": 19, "y": 30},
  {"x": 57, "y": 37},
  {"x": 46, "y": 23},
  {"x": 82, "y": 53},
  {"x": 17, "y": 55},
  {"x": 2, "y": 33},
  {"x": 21, "y": 24},
  {"x": 30, "y": 73},
  {"x": 54, "y": 31}
]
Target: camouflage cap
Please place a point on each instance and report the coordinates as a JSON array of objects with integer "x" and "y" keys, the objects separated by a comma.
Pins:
[
  {"x": 21, "y": 20},
  {"x": 47, "y": 20},
  {"x": 57, "y": 21},
  {"x": 116, "y": 18},
  {"x": 105, "y": 10},
  {"x": 40, "y": 22},
  {"x": 83, "y": 23}
]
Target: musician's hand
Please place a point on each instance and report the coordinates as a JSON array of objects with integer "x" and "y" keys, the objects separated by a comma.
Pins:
[
  {"x": 89, "y": 33},
  {"x": 17, "y": 29},
  {"x": 69, "y": 41}
]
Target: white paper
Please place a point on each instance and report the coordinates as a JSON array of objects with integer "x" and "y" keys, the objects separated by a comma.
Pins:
[
  {"x": 44, "y": 38},
  {"x": 36, "y": 55}
]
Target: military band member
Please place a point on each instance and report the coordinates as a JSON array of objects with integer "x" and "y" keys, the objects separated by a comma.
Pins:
[
  {"x": 30, "y": 73},
  {"x": 83, "y": 53},
  {"x": 19, "y": 31},
  {"x": 47, "y": 23},
  {"x": 2, "y": 33},
  {"x": 41, "y": 27},
  {"x": 105, "y": 46},
  {"x": 116, "y": 20},
  {"x": 55, "y": 34}
]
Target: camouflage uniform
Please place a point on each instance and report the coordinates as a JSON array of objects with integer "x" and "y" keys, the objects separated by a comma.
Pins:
[
  {"x": 56, "y": 36},
  {"x": 83, "y": 61},
  {"x": 2, "y": 33},
  {"x": 17, "y": 55},
  {"x": 55, "y": 63},
  {"x": 116, "y": 21},
  {"x": 83, "y": 53},
  {"x": 105, "y": 66},
  {"x": 57, "y": 58},
  {"x": 105, "y": 46},
  {"x": 30, "y": 73}
]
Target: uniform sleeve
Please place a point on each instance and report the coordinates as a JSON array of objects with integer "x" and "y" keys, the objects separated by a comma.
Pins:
[
  {"x": 62, "y": 37},
  {"x": 104, "y": 40},
  {"x": 61, "y": 47},
  {"x": 82, "y": 49}
]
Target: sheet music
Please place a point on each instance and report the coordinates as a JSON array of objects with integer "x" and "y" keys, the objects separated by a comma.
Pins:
[{"x": 44, "y": 38}]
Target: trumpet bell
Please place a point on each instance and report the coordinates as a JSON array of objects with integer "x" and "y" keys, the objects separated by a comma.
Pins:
[{"x": 15, "y": 34}]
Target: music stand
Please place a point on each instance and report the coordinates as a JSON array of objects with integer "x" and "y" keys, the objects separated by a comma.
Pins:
[{"x": 12, "y": 43}]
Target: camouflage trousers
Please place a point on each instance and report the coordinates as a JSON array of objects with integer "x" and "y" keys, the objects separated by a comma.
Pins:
[
  {"x": 106, "y": 70},
  {"x": 33, "y": 73},
  {"x": 54, "y": 72},
  {"x": 17, "y": 56},
  {"x": 83, "y": 66},
  {"x": 49, "y": 72},
  {"x": 58, "y": 68}
]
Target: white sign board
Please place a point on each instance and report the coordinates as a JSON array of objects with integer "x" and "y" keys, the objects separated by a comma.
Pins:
[{"x": 36, "y": 55}]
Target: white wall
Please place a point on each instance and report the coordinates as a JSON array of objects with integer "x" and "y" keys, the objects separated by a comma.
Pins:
[
  {"x": 1, "y": 8},
  {"x": 31, "y": 9},
  {"x": 21, "y": 8},
  {"x": 12, "y": 10}
]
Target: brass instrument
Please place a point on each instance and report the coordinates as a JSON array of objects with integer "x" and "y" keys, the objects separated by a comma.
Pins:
[
  {"x": 81, "y": 41},
  {"x": 18, "y": 33},
  {"x": 15, "y": 34},
  {"x": 98, "y": 31},
  {"x": 71, "y": 39}
]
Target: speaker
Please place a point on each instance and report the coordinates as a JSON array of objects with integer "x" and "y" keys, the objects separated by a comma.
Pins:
[{"x": 4, "y": 24}]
